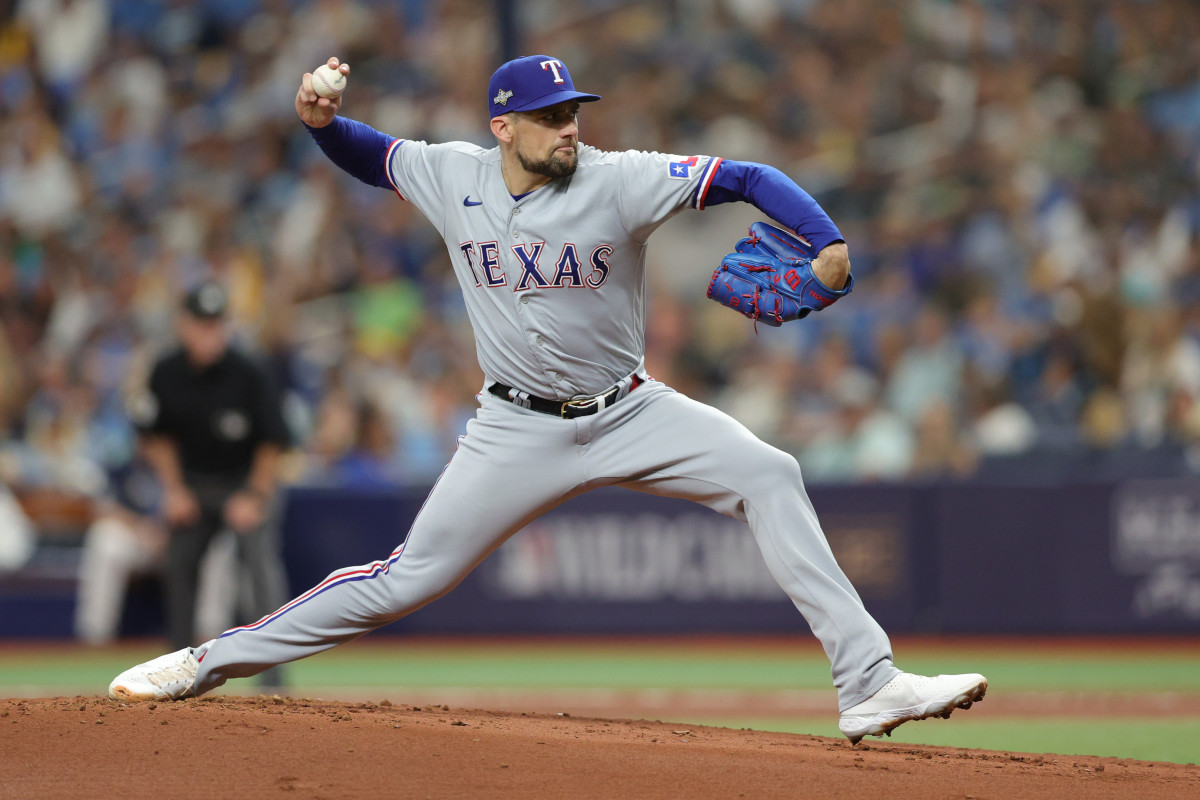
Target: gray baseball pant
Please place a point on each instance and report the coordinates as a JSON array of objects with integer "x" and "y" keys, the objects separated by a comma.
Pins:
[{"x": 515, "y": 464}]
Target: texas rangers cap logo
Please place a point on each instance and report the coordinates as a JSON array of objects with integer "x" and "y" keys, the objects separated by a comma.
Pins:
[{"x": 530, "y": 83}]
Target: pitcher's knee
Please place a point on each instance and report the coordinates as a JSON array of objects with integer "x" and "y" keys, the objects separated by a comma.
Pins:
[
  {"x": 402, "y": 592},
  {"x": 763, "y": 474},
  {"x": 776, "y": 471}
]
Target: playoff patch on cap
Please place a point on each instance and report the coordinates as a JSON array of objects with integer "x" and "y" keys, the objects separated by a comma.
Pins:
[{"x": 532, "y": 82}]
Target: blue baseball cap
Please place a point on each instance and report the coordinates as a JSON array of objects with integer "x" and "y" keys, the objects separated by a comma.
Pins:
[{"x": 532, "y": 82}]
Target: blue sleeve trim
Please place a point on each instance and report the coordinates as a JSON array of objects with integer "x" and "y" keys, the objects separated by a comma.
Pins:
[
  {"x": 700, "y": 194},
  {"x": 387, "y": 166},
  {"x": 358, "y": 149},
  {"x": 776, "y": 195}
]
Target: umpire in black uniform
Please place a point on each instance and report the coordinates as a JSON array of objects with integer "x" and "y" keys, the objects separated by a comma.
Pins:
[{"x": 212, "y": 428}]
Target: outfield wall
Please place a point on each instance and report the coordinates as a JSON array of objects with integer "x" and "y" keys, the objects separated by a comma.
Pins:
[
  {"x": 1111, "y": 557},
  {"x": 1107, "y": 557}
]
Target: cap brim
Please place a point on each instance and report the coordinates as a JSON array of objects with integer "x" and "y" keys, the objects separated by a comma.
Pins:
[
  {"x": 553, "y": 99},
  {"x": 204, "y": 316}
]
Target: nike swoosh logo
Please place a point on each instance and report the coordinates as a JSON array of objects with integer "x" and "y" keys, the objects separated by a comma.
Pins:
[{"x": 467, "y": 201}]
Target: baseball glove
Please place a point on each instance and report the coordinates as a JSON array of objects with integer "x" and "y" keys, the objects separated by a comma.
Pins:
[{"x": 769, "y": 277}]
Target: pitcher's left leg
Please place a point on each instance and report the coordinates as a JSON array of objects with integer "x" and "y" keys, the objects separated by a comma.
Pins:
[{"x": 677, "y": 447}]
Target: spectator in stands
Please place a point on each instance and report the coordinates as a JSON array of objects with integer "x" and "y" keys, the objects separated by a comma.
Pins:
[
  {"x": 353, "y": 446},
  {"x": 372, "y": 461},
  {"x": 17, "y": 537},
  {"x": 996, "y": 163}
]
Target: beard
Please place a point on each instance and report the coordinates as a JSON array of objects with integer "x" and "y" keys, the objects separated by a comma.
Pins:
[{"x": 555, "y": 165}]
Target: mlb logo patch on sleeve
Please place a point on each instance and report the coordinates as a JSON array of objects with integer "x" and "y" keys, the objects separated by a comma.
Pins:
[{"x": 682, "y": 169}]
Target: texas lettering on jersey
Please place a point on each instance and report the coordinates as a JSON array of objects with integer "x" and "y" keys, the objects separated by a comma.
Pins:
[{"x": 571, "y": 269}]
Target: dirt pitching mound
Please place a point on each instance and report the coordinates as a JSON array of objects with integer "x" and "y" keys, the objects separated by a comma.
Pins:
[{"x": 88, "y": 747}]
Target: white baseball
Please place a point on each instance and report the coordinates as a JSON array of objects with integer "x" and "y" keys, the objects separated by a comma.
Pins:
[{"x": 328, "y": 82}]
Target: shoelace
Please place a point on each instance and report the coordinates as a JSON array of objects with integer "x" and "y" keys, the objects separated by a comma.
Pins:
[{"x": 170, "y": 674}]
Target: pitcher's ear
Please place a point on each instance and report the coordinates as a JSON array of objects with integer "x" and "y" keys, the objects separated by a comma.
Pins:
[{"x": 502, "y": 127}]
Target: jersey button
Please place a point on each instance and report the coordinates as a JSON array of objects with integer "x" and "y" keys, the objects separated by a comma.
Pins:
[
  {"x": 558, "y": 376},
  {"x": 524, "y": 298},
  {"x": 516, "y": 211},
  {"x": 540, "y": 341},
  {"x": 516, "y": 234}
]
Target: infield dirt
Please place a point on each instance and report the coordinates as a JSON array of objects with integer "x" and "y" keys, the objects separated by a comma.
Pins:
[{"x": 91, "y": 747}]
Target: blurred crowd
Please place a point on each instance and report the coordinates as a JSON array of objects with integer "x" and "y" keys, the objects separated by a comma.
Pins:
[{"x": 1017, "y": 181}]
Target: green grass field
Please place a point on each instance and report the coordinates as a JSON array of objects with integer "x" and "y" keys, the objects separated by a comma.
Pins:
[{"x": 1090, "y": 674}]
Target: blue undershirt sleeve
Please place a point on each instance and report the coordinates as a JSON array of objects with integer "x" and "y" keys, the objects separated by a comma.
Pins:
[
  {"x": 357, "y": 148},
  {"x": 777, "y": 196}
]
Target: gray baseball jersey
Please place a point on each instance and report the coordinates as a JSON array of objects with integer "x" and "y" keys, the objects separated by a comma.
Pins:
[{"x": 554, "y": 283}]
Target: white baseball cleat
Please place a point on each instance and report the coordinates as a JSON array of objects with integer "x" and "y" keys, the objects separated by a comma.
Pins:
[
  {"x": 168, "y": 677},
  {"x": 907, "y": 697}
]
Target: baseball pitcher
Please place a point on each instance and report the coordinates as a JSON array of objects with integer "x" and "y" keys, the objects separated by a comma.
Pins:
[{"x": 547, "y": 237}]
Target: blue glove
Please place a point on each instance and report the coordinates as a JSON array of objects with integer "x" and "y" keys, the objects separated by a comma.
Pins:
[{"x": 769, "y": 277}]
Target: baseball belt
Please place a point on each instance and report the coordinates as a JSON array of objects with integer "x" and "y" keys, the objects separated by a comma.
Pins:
[{"x": 567, "y": 409}]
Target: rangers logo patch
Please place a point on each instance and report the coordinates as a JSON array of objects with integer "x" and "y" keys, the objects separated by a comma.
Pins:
[
  {"x": 502, "y": 97},
  {"x": 682, "y": 169}
]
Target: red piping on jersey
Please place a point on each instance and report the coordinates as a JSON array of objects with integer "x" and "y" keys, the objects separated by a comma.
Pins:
[
  {"x": 372, "y": 570},
  {"x": 369, "y": 571},
  {"x": 706, "y": 182},
  {"x": 387, "y": 167}
]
